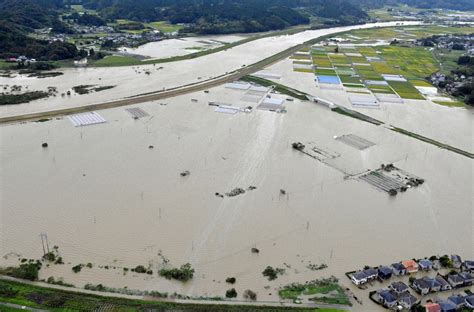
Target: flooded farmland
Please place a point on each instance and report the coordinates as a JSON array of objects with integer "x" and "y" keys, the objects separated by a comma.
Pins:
[{"x": 105, "y": 197}]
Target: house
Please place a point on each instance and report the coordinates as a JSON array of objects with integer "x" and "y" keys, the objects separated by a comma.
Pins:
[
  {"x": 468, "y": 265},
  {"x": 457, "y": 261},
  {"x": 399, "y": 288},
  {"x": 469, "y": 301},
  {"x": 447, "y": 306},
  {"x": 385, "y": 272},
  {"x": 467, "y": 277},
  {"x": 421, "y": 286},
  {"x": 410, "y": 265},
  {"x": 455, "y": 280},
  {"x": 387, "y": 298},
  {"x": 433, "y": 283},
  {"x": 371, "y": 274},
  {"x": 425, "y": 265},
  {"x": 407, "y": 301},
  {"x": 458, "y": 300},
  {"x": 359, "y": 278},
  {"x": 398, "y": 269},
  {"x": 432, "y": 307},
  {"x": 444, "y": 284}
]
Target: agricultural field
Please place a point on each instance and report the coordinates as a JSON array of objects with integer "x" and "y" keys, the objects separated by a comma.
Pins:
[
  {"x": 403, "y": 33},
  {"x": 116, "y": 60},
  {"x": 164, "y": 26},
  {"x": 389, "y": 69}
]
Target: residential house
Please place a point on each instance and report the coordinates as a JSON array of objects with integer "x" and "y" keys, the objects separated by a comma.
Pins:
[
  {"x": 421, "y": 286},
  {"x": 447, "y": 306},
  {"x": 399, "y": 288},
  {"x": 444, "y": 284},
  {"x": 469, "y": 301},
  {"x": 457, "y": 261},
  {"x": 458, "y": 300},
  {"x": 371, "y": 274},
  {"x": 387, "y": 298},
  {"x": 425, "y": 265},
  {"x": 432, "y": 307},
  {"x": 407, "y": 301},
  {"x": 385, "y": 272},
  {"x": 455, "y": 280},
  {"x": 468, "y": 265},
  {"x": 433, "y": 283},
  {"x": 410, "y": 265},
  {"x": 468, "y": 278},
  {"x": 359, "y": 278},
  {"x": 398, "y": 269}
]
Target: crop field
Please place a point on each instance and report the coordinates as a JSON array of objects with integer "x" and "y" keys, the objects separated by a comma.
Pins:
[
  {"x": 392, "y": 69},
  {"x": 404, "y": 33},
  {"x": 164, "y": 26}
]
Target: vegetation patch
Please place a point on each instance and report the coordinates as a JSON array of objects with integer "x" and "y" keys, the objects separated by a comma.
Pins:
[
  {"x": 85, "y": 89},
  {"x": 183, "y": 273},
  {"x": 272, "y": 273},
  {"x": 6, "y": 98},
  {"x": 324, "y": 291},
  {"x": 277, "y": 87}
]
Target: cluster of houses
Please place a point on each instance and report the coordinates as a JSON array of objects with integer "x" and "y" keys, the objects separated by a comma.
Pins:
[
  {"x": 455, "y": 42},
  {"x": 397, "y": 295},
  {"x": 23, "y": 60}
]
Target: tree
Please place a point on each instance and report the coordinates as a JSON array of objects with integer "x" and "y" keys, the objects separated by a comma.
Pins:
[
  {"x": 231, "y": 293},
  {"x": 248, "y": 294}
]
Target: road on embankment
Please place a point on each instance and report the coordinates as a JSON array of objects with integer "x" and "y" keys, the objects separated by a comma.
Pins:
[{"x": 193, "y": 87}]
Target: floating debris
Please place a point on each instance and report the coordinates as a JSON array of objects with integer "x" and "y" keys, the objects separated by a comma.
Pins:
[
  {"x": 235, "y": 192},
  {"x": 151, "y": 146},
  {"x": 185, "y": 173},
  {"x": 255, "y": 250},
  {"x": 298, "y": 146},
  {"x": 282, "y": 192},
  {"x": 219, "y": 195},
  {"x": 44, "y": 145},
  {"x": 251, "y": 188}
]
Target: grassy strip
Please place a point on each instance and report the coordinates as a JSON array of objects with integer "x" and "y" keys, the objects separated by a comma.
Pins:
[
  {"x": 431, "y": 141},
  {"x": 278, "y": 87},
  {"x": 356, "y": 115},
  {"x": 60, "y": 300}
]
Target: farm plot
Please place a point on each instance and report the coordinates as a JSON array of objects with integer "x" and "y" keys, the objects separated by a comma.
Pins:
[{"x": 406, "y": 90}]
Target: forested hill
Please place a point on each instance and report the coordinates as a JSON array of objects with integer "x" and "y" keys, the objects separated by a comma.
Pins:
[
  {"x": 19, "y": 17},
  {"x": 228, "y": 16}
]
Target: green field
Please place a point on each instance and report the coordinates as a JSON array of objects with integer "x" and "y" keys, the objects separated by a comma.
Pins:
[
  {"x": 357, "y": 65},
  {"x": 164, "y": 26},
  {"x": 330, "y": 293},
  {"x": 406, "y": 32},
  {"x": 116, "y": 60},
  {"x": 59, "y": 300}
]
